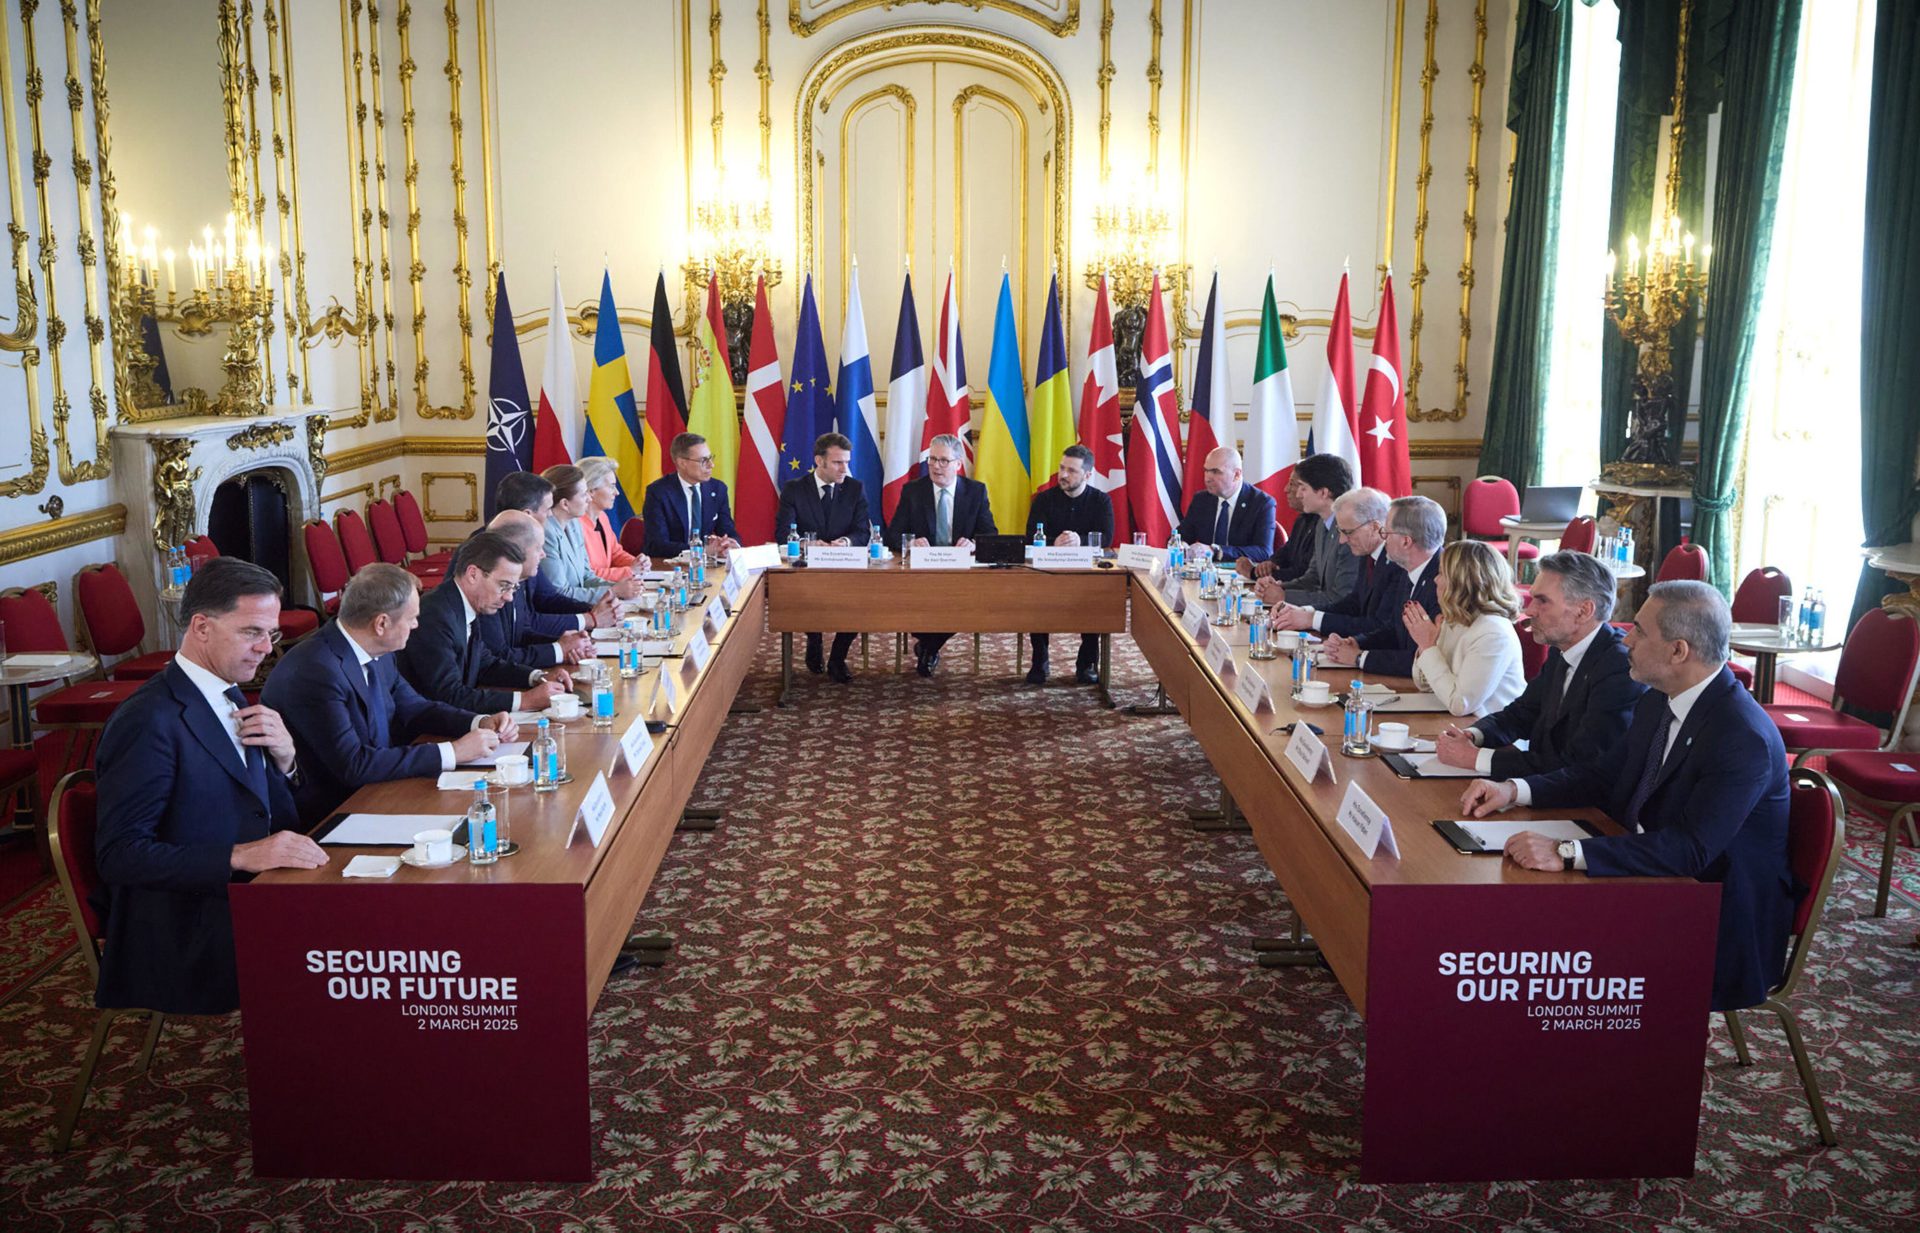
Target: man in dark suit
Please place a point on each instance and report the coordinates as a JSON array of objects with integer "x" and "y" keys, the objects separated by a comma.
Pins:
[
  {"x": 353, "y": 717},
  {"x": 688, "y": 506},
  {"x": 447, "y": 661},
  {"x": 533, "y": 494},
  {"x": 1584, "y": 696},
  {"x": 1235, "y": 519},
  {"x": 832, "y": 507},
  {"x": 1317, "y": 568},
  {"x": 1070, "y": 511},
  {"x": 941, "y": 508},
  {"x": 197, "y": 788},
  {"x": 1699, "y": 782},
  {"x": 519, "y": 632},
  {"x": 1416, "y": 528}
]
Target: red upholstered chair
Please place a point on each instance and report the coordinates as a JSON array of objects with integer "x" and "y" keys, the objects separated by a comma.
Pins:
[
  {"x": 1878, "y": 665},
  {"x": 391, "y": 543},
  {"x": 110, "y": 622},
  {"x": 354, "y": 541},
  {"x": 413, "y": 526},
  {"x": 70, "y": 831},
  {"x": 19, "y": 776},
  {"x": 1533, "y": 655},
  {"x": 327, "y": 562},
  {"x": 33, "y": 625},
  {"x": 1890, "y": 783},
  {"x": 633, "y": 537},
  {"x": 1486, "y": 500},
  {"x": 1816, "y": 831},
  {"x": 1686, "y": 563},
  {"x": 1757, "y": 602},
  {"x": 295, "y": 623},
  {"x": 1579, "y": 535}
]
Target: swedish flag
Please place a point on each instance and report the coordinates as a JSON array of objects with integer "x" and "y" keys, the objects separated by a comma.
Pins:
[{"x": 613, "y": 421}]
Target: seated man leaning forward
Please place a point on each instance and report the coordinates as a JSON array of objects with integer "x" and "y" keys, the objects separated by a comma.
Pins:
[
  {"x": 354, "y": 718},
  {"x": 1699, "y": 781},
  {"x": 196, "y": 790}
]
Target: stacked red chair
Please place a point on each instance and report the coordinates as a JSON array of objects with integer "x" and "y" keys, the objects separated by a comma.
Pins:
[
  {"x": 1486, "y": 500},
  {"x": 327, "y": 561},
  {"x": 80, "y": 710},
  {"x": 391, "y": 543},
  {"x": 295, "y": 622},
  {"x": 1757, "y": 602},
  {"x": 413, "y": 527},
  {"x": 111, "y": 623},
  {"x": 1686, "y": 563},
  {"x": 355, "y": 541},
  {"x": 1878, "y": 666},
  {"x": 1888, "y": 783},
  {"x": 1579, "y": 535}
]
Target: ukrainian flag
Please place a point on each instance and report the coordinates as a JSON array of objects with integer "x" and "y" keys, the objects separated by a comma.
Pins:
[
  {"x": 1053, "y": 428},
  {"x": 613, "y": 421},
  {"x": 1004, "y": 465}
]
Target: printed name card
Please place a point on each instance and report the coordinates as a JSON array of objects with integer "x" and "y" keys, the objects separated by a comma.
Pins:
[
  {"x": 940, "y": 558},
  {"x": 665, "y": 689},
  {"x": 1195, "y": 621},
  {"x": 595, "y": 812},
  {"x": 1060, "y": 558},
  {"x": 1172, "y": 591},
  {"x": 1366, "y": 823},
  {"x": 636, "y": 745},
  {"x": 1139, "y": 556},
  {"x": 716, "y": 612},
  {"x": 1308, "y": 754},
  {"x": 731, "y": 588},
  {"x": 1220, "y": 654},
  {"x": 1251, "y": 688},
  {"x": 699, "y": 650},
  {"x": 747, "y": 562},
  {"x": 834, "y": 556}
]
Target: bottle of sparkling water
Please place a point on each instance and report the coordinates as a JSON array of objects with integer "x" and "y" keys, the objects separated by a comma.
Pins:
[
  {"x": 483, "y": 832},
  {"x": 546, "y": 758},
  {"x": 679, "y": 591},
  {"x": 629, "y": 650},
  {"x": 793, "y": 544},
  {"x": 1039, "y": 535},
  {"x": 1257, "y": 629},
  {"x": 1355, "y": 740}
]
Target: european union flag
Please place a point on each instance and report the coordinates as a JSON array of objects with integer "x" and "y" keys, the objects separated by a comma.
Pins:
[{"x": 809, "y": 393}]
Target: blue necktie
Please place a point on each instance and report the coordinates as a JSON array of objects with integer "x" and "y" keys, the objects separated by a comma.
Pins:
[
  {"x": 256, "y": 760},
  {"x": 695, "y": 527},
  {"x": 1220, "y": 526},
  {"x": 1649, "y": 770}
]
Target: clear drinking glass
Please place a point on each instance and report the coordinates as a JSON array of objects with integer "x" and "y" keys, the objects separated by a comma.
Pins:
[
  {"x": 501, "y": 799},
  {"x": 1788, "y": 623},
  {"x": 1140, "y": 539},
  {"x": 1095, "y": 540}
]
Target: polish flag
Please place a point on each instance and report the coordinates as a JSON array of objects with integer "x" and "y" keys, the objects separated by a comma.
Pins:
[{"x": 558, "y": 424}]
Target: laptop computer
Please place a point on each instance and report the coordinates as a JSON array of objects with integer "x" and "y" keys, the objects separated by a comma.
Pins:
[
  {"x": 1550, "y": 504},
  {"x": 1000, "y": 550}
]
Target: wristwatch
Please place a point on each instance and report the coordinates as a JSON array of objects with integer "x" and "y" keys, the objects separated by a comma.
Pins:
[
  {"x": 1566, "y": 849},
  {"x": 539, "y": 677}
]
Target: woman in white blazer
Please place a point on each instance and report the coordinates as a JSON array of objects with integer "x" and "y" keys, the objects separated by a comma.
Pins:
[{"x": 1470, "y": 658}]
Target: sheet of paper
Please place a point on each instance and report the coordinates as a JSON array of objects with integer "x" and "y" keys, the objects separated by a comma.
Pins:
[
  {"x": 457, "y": 781},
  {"x": 371, "y": 867},
  {"x": 29, "y": 659},
  {"x": 1493, "y": 836},
  {"x": 1430, "y": 767},
  {"x": 1412, "y": 702},
  {"x": 374, "y": 829},
  {"x": 499, "y": 751}
]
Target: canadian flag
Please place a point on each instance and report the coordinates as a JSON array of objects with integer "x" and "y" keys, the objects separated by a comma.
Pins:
[
  {"x": 1100, "y": 416},
  {"x": 1384, "y": 460}
]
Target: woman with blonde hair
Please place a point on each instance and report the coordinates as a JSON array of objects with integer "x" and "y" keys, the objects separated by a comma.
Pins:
[
  {"x": 565, "y": 562},
  {"x": 605, "y": 556},
  {"x": 1470, "y": 658}
]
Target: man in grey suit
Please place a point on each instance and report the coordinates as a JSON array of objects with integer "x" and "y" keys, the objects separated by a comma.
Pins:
[{"x": 1332, "y": 571}]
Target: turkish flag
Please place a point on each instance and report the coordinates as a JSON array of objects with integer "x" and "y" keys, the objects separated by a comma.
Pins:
[{"x": 1383, "y": 408}]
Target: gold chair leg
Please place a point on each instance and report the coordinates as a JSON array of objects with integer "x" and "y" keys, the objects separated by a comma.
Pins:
[
  {"x": 1886, "y": 866},
  {"x": 154, "y": 1030},
  {"x": 976, "y": 655},
  {"x": 1738, "y": 1035},
  {"x": 76, "y": 1099},
  {"x": 1805, "y": 1066}
]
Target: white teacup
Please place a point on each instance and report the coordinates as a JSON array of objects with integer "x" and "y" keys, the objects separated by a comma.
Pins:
[
  {"x": 1287, "y": 639},
  {"x": 513, "y": 769},
  {"x": 433, "y": 847},
  {"x": 566, "y": 706},
  {"x": 1316, "y": 691},
  {"x": 1394, "y": 736}
]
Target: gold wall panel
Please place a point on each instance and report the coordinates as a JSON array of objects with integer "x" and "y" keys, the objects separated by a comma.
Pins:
[
  {"x": 432, "y": 513},
  {"x": 1156, "y": 28},
  {"x": 462, "y": 269},
  {"x": 101, "y": 465},
  {"x": 41, "y": 538},
  {"x": 1058, "y": 26},
  {"x": 1105, "y": 78},
  {"x": 26, "y": 312},
  {"x": 295, "y": 319},
  {"x": 1024, "y": 273}
]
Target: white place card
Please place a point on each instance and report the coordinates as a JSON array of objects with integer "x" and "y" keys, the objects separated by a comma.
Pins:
[
  {"x": 595, "y": 812},
  {"x": 636, "y": 745},
  {"x": 1139, "y": 556},
  {"x": 1194, "y": 620},
  {"x": 1220, "y": 654},
  {"x": 836, "y": 556},
  {"x": 940, "y": 558},
  {"x": 747, "y": 562},
  {"x": 1060, "y": 558},
  {"x": 1308, "y": 754},
  {"x": 1252, "y": 690},
  {"x": 667, "y": 690},
  {"x": 1173, "y": 592},
  {"x": 731, "y": 588},
  {"x": 1366, "y": 823},
  {"x": 716, "y": 612},
  {"x": 699, "y": 650}
]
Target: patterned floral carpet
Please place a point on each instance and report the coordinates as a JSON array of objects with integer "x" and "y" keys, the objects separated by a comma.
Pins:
[{"x": 955, "y": 961}]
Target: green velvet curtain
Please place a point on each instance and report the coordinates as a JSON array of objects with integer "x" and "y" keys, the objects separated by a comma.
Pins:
[
  {"x": 1649, "y": 35},
  {"x": 1515, "y": 434},
  {"x": 1763, "y": 38},
  {"x": 1890, "y": 296}
]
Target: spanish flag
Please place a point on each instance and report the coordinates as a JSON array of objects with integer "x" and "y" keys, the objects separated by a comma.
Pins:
[
  {"x": 712, "y": 413},
  {"x": 1005, "y": 452},
  {"x": 666, "y": 394},
  {"x": 1053, "y": 427},
  {"x": 613, "y": 423}
]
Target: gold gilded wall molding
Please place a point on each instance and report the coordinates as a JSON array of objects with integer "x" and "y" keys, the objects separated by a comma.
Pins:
[
  {"x": 904, "y": 96},
  {"x": 374, "y": 408},
  {"x": 317, "y": 446},
  {"x": 1157, "y": 28},
  {"x": 763, "y": 69},
  {"x": 431, "y": 514},
  {"x": 40, "y": 538},
  {"x": 384, "y": 216},
  {"x": 1477, "y": 73},
  {"x": 1417, "y": 281},
  {"x": 49, "y": 242},
  {"x": 257, "y": 199},
  {"x": 1393, "y": 135},
  {"x": 410, "y": 178},
  {"x": 583, "y": 318},
  {"x": 1435, "y": 449},
  {"x": 259, "y": 436},
  {"x": 960, "y": 100},
  {"x": 294, "y": 317},
  {"x": 938, "y": 44},
  {"x": 173, "y": 482},
  {"x": 482, "y": 64},
  {"x": 26, "y": 322},
  {"x": 462, "y": 269},
  {"x": 358, "y": 456},
  {"x": 334, "y": 321},
  {"x": 1060, "y": 27},
  {"x": 686, "y": 103},
  {"x": 405, "y": 447},
  {"x": 1105, "y": 78},
  {"x": 716, "y": 74},
  {"x": 101, "y": 465}
]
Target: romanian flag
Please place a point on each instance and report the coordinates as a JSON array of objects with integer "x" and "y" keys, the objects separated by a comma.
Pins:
[
  {"x": 711, "y": 413},
  {"x": 666, "y": 393},
  {"x": 1005, "y": 443},
  {"x": 1052, "y": 415},
  {"x": 613, "y": 424}
]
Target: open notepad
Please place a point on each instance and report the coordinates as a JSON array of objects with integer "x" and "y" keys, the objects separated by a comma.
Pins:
[{"x": 1479, "y": 837}]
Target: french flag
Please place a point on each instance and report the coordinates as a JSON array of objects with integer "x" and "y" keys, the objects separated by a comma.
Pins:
[{"x": 906, "y": 403}]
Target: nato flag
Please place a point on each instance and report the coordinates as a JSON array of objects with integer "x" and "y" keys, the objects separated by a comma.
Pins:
[{"x": 509, "y": 418}]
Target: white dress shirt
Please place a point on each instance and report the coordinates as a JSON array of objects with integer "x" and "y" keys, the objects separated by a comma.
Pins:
[
  {"x": 365, "y": 661},
  {"x": 1483, "y": 761},
  {"x": 214, "y": 690},
  {"x": 472, "y": 616}
]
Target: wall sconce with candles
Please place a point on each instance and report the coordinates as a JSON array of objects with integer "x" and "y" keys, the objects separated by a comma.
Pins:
[
  {"x": 231, "y": 284},
  {"x": 731, "y": 241},
  {"x": 1134, "y": 236}
]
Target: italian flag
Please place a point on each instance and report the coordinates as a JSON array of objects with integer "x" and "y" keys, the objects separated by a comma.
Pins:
[{"x": 1273, "y": 431}]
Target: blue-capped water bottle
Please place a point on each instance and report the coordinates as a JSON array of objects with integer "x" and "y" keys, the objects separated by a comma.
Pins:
[
  {"x": 697, "y": 566},
  {"x": 876, "y": 545},
  {"x": 1355, "y": 740},
  {"x": 483, "y": 831},
  {"x": 546, "y": 758},
  {"x": 793, "y": 544},
  {"x": 629, "y": 650},
  {"x": 1039, "y": 535}
]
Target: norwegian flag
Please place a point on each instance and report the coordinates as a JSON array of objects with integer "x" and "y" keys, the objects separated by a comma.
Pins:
[
  {"x": 949, "y": 409},
  {"x": 1153, "y": 471},
  {"x": 1100, "y": 416}
]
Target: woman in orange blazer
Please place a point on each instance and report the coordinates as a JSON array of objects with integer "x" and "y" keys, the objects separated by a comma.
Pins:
[{"x": 604, "y": 554}]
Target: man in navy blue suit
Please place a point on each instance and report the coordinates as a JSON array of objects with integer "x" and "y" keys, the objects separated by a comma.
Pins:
[
  {"x": 447, "y": 660},
  {"x": 197, "y": 788},
  {"x": 1235, "y": 518},
  {"x": 831, "y": 505},
  {"x": 354, "y": 718},
  {"x": 942, "y": 508},
  {"x": 533, "y": 494},
  {"x": 1396, "y": 569},
  {"x": 519, "y": 632},
  {"x": 1699, "y": 782},
  {"x": 689, "y": 505}
]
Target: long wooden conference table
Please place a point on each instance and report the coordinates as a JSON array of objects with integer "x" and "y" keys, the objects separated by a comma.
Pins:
[{"x": 1519, "y": 1024}]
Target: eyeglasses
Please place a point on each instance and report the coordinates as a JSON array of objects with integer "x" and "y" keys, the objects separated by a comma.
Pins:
[
  {"x": 506, "y": 588},
  {"x": 703, "y": 461},
  {"x": 252, "y": 636},
  {"x": 935, "y": 460},
  {"x": 1347, "y": 532}
]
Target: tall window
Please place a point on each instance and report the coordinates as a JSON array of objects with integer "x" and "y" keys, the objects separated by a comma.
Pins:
[
  {"x": 1800, "y": 496},
  {"x": 1580, "y": 263}
]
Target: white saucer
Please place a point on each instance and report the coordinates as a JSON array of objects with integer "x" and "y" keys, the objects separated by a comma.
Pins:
[
  {"x": 1331, "y": 701},
  {"x": 1392, "y": 748},
  {"x": 459, "y": 854}
]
